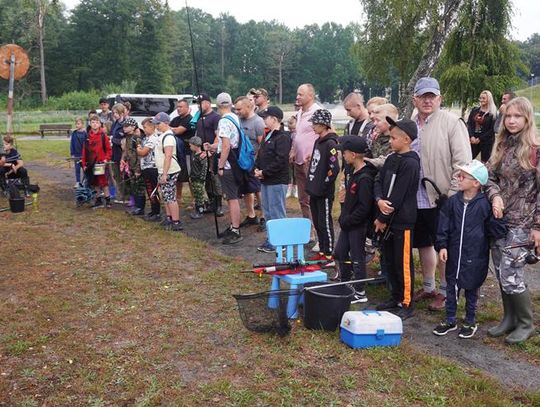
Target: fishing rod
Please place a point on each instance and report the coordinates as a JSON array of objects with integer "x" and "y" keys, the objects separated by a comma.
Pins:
[{"x": 200, "y": 117}]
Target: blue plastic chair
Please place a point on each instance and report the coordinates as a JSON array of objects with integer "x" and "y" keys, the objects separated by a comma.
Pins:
[{"x": 291, "y": 234}]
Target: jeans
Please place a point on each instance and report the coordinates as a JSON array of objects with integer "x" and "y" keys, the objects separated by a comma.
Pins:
[
  {"x": 273, "y": 201},
  {"x": 77, "y": 169}
]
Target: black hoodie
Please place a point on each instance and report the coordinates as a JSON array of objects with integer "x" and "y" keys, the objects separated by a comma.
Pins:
[
  {"x": 359, "y": 203},
  {"x": 323, "y": 167},
  {"x": 406, "y": 168}
]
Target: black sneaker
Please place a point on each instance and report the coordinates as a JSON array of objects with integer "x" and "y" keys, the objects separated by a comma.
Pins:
[
  {"x": 232, "y": 238},
  {"x": 98, "y": 204},
  {"x": 467, "y": 331},
  {"x": 152, "y": 217},
  {"x": 225, "y": 233},
  {"x": 359, "y": 297},
  {"x": 444, "y": 327},
  {"x": 390, "y": 304},
  {"x": 405, "y": 312},
  {"x": 176, "y": 226},
  {"x": 249, "y": 221}
]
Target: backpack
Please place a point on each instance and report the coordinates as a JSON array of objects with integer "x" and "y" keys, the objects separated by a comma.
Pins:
[
  {"x": 245, "y": 154},
  {"x": 180, "y": 156}
]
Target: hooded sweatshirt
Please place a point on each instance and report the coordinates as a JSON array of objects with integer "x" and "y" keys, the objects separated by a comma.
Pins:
[{"x": 323, "y": 167}]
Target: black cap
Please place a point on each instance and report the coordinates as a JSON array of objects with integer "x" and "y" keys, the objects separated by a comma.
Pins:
[
  {"x": 273, "y": 111},
  {"x": 103, "y": 100},
  {"x": 355, "y": 144},
  {"x": 407, "y": 125},
  {"x": 202, "y": 97}
]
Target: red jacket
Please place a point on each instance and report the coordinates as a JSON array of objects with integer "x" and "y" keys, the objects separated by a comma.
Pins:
[{"x": 97, "y": 149}]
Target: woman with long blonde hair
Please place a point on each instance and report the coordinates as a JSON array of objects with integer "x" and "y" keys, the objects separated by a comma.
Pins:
[
  {"x": 480, "y": 126},
  {"x": 513, "y": 189}
]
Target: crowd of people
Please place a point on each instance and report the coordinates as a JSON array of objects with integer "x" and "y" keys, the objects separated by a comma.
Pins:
[{"x": 393, "y": 181}]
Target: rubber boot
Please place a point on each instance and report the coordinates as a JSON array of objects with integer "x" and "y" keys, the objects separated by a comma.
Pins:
[
  {"x": 508, "y": 322},
  {"x": 523, "y": 310}
]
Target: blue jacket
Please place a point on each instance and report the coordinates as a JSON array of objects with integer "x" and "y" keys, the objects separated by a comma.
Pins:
[
  {"x": 78, "y": 138},
  {"x": 464, "y": 229}
]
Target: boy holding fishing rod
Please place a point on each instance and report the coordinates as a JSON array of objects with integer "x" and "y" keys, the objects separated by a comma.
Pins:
[{"x": 395, "y": 194}]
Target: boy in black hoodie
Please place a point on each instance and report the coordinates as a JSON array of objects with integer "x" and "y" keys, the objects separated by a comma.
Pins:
[
  {"x": 320, "y": 186},
  {"x": 395, "y": 194},
  {"x": 355, "y": 213}
]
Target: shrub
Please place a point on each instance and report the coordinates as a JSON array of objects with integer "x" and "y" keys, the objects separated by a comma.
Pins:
[{"x": 77, "y": 100}]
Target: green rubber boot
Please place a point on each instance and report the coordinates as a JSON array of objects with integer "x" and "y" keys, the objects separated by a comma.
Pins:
[
  {"x": 508, "y": 322},
  {"x": 523, "y": 310}
]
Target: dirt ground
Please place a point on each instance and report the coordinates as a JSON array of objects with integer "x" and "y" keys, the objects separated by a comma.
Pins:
[{"x": 509, "y": 365}]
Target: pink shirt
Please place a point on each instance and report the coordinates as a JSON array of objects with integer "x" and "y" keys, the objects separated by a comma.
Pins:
[{"x": 305, "y": 136}]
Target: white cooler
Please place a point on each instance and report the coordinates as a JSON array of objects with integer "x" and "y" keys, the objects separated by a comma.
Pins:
[{"x": 364, "y": 329}]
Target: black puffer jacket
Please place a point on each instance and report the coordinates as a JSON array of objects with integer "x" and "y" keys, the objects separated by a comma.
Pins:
[{"x": 273, "y": 158}]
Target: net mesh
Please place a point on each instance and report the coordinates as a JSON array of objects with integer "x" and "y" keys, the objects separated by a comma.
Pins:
[{"x": 266, "y": 311}]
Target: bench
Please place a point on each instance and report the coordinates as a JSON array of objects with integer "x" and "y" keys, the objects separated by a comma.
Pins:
[{"x": 55, "y": 128}]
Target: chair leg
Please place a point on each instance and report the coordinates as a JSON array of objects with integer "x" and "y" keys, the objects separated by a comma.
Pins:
[
  {"x": 273, "y": 300},
  {"x": 292, "y": 304}
]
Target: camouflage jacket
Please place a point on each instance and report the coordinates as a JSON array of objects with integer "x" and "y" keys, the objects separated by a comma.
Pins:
[
  {"x": 518, "y": 188},
  {"x": 381, "y": 146}
]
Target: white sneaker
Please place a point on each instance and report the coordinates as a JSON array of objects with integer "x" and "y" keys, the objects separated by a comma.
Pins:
[
  {"x": 359, "y": 297},
  {"x": 315, "y": 248},
  {"x": 295, "y": 191},
  {"x": 77, "y": 185},
  {"x": 289, "y": 192}
]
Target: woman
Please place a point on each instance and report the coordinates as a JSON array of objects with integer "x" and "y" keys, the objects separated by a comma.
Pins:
[
  {"x": 480, "y": 126},
  {"x": 513, "y": 189},
  {"x": 117, "y": 134}
]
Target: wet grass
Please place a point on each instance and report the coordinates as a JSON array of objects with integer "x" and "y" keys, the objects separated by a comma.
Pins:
[{"x": 99, "y": 309}]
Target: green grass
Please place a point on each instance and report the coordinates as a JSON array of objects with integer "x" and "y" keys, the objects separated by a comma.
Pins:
[{"x": 28, "y": 122}]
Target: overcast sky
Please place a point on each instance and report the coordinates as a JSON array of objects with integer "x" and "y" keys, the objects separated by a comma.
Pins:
[{"x": 298, "y": 13}]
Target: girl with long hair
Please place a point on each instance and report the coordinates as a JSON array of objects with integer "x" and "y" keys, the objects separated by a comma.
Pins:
[
  {"x": 480, "y": 126},
  {"x": 513, "y": 189}
]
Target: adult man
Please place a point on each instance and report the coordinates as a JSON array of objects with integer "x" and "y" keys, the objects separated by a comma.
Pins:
[
  {"x": 260, "y": 97},
  {"x": 207, "y": 130},
  {"x": 303, "y": 143},
  {"x": 228, "y": 170},
  {"x": 181, "y": 128},
  {"x": 443, "y": 145},
  {"x": 506, "y": 97},
  {"x": 360, "y": 124},
  {"x": 168, "y": 170},
  {"x": 105, "y": 115},
  {"x": 253, "y": 126}
]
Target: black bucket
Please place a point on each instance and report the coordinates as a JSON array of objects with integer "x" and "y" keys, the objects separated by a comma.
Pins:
[
  {"x": 324, "y": 307},
  {"x": 16, "y": 205}
]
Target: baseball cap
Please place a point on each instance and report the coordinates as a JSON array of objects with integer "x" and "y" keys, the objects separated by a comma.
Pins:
[
  {"x": 356, "y": 144},
  {"x": 202, "y": 97},
  {"x": 427, "y": 85},
  {"x": 273, "y": 111},
  {"x": 130, "y": 121},
  {"x": 322, "y": 116},
  {"x": 195, "y": 140},
  {"x": 476, "y": 169},
  {"x": 223, "y": 99},
  {"x": 161, "y": 117},
  {"x": 407, "y": 125}
]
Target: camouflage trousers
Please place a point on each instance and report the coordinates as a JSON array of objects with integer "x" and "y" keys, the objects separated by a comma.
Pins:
[
  {"x": 510, "y": 263},
  {"x": 198, "y": 192}
]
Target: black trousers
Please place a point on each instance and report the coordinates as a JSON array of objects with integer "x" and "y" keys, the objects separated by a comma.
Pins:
[
  {"x": 350, "y": 254},
  {"x": 484, "y": 149},
  {"x": 150, "y": 176},
  {"x": 321, "y": 215},
  {"x": 21, "y": 173},
  {"x": 397, "y": 250}
]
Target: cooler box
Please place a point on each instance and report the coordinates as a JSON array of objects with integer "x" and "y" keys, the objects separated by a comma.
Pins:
[{"x": 364, "y": 329}]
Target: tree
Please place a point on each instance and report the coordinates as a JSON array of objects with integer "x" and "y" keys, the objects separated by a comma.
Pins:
[{"x": 531, "y": 54}]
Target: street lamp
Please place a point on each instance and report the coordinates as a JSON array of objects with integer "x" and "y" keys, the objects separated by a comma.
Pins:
[{"x": 532, "y": 84}]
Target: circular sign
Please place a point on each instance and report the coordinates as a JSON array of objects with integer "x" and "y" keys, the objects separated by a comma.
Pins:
[{"x": 22, "y": 63}]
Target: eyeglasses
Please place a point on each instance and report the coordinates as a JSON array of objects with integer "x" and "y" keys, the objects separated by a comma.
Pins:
[{"x": 461, "y": 176}]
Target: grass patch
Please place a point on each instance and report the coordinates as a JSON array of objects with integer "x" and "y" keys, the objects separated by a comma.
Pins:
[{"x": 50, "y": 152}]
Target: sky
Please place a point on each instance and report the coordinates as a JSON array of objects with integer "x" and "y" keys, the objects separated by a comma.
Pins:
[{"x": 298, "y": 13}]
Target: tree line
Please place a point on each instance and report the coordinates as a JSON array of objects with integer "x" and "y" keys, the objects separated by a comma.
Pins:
[{"x": 143, "y": 46}]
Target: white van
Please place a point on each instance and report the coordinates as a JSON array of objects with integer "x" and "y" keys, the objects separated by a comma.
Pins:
[{"x": 148, "y": 105}]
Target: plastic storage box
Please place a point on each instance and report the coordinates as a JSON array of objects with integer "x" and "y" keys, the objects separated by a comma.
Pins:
[{"x": 365, "y": 329}]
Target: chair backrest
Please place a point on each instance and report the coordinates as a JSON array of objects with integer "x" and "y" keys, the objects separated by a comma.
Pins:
[{"x": 291, "y": 233}]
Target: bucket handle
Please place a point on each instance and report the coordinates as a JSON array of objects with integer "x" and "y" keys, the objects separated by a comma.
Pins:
[{"x": 363, "y": 280}]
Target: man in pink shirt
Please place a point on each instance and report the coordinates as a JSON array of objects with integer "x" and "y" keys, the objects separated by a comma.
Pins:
[{"x": 303, "y": 143}]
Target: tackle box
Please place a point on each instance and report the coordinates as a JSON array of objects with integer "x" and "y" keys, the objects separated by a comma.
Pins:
[{"x": 364, "y": 329}]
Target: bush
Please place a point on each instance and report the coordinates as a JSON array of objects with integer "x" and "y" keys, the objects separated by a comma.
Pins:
[{"x": 78, "y": 100}]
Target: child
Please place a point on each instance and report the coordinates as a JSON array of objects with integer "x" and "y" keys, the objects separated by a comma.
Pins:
[
  {"x": 148, "y": 168},
  {"x": 78, "y": 138},
  {"x": 323, "y": 170},
  {"x": 514, "y": 187},
  {"x": 97, "y": 150},
  {"x": 11, "y": 164},
  {"x": 462, "y": 242},
  {"x": 197, "y": 177},
  {"x": 395, "y": 194},
  {"x": 130, "y": 164},
  {"x": 355, "y": 213}
]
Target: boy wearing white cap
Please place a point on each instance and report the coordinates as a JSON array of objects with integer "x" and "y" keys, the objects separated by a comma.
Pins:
[{"x": 465, "y": 225}]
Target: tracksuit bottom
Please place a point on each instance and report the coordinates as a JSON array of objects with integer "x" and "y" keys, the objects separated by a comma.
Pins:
[
  {"x": 350, "y": 254},
  {"x": 150, "y": 176},
  {"x": 397, "y": 251},
  {"x": 452, "y": 295},
  {"x": 321, "y": 215}
]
